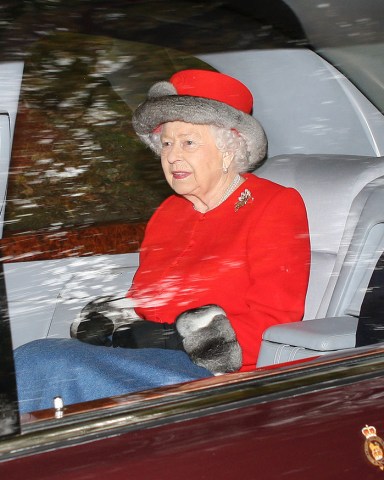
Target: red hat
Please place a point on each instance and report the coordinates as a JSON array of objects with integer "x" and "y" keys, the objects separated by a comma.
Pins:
[
  {"x": 202, "y": 97},
  {"x": 213, "y": 85}
]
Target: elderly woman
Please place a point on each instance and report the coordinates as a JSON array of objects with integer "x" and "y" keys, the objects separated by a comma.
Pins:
[{"x": 223, "y": 258}]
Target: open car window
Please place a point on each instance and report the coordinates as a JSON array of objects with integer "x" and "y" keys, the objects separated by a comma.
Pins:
[{"x": 80, "y": 187}]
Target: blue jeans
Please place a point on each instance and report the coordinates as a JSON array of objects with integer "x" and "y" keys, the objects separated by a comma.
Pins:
[{"x": 79, "y": 372}]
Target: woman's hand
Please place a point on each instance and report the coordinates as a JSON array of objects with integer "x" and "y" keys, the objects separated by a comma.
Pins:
[
  {"x": 100, "y": 318},
  {"x": 109, "y": 321},
  {"x": 209, "y": 339}
]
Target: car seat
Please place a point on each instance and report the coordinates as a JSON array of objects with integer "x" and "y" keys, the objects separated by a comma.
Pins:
[{"x": 344, "y": 201}]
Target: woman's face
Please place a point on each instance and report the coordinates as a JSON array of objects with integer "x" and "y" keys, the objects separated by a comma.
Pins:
[{"x": 192, "y": 163}]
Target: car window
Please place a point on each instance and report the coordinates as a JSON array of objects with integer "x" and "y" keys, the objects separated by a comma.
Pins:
[
  {"x": 78, "y": 175},
  {"x": 75, "y": 158},
  {"x": 80, "y": 185}
]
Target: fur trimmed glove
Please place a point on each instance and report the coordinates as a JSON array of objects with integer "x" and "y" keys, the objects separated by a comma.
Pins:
[
  {"x": 100, "y": 318},
  {"x": 209, "y": 339},
  {"x": 204, "y": 333}
]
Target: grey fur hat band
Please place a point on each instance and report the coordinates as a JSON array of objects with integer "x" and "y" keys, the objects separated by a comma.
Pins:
[{"x": 202, "y": 97}]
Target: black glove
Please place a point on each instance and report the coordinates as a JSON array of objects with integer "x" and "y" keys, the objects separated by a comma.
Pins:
[
  {"x": 100, "y": 318},
  {"x": 146, "y": 334},
  {"x": 110, "y": 321},
  {"x": 209, "y": 339}
]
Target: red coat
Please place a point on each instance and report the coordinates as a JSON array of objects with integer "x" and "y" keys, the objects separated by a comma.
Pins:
[{"x": 252, "y": 260}]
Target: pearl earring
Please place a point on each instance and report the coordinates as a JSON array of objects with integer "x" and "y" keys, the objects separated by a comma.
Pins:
[{"x": 225, "y": 168}]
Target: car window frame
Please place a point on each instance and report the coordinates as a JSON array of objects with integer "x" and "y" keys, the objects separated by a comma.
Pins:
[
  {"x": 135, "y": 410},
  {"x": 9, "y": 410}
]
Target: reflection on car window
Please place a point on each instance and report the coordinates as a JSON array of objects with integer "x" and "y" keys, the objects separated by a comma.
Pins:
[
  {"x": 75, "y": 157},
  {"x": 76, "y": 161}
]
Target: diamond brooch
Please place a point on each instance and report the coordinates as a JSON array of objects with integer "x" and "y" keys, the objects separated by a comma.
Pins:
[{"x": 244, "y": 198}]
